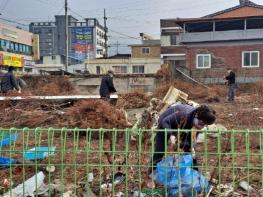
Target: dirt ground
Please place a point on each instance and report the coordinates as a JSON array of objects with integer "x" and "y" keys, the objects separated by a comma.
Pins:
[{"x": 81, "y": 152}]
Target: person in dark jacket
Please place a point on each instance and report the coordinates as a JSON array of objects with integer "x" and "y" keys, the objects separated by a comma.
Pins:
[
  {"x": 9, "y": 81},
  {"x": 184, "y": 117},
  {"x": 231, "y": 82},
  {"x": 107, "y": 86}
]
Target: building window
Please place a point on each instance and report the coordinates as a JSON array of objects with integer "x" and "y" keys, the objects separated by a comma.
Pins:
[
  {"x": 138, "y": 69},
  {"x": 250, "y": 59},
  {"x": 98, "y": 70},
  {"x": 145, "y": 50},
  {"x": 120, "y": 69},
  {"x": 173, "y": 39},
  {"x": 203, "y": 61},
  {"x": 53, "y": 57}
]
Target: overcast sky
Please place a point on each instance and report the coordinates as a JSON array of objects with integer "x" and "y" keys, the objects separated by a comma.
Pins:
[{"x": 129, "y": 17}]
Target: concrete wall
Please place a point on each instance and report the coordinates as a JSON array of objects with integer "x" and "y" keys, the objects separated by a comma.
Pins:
[
  {"x": 123, "y": 84},
  {"x": 151, "y": 65}
]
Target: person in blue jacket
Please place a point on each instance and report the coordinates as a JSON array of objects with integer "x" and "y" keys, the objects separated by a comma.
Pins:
[
  {"x": 181, "y": 116},
  {"x": 107, "y": 86}
]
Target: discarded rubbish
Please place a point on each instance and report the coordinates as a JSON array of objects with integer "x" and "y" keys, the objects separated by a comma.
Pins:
[
  {"x": 7, "y": 183},
  {"x": 157, "y": 192},
  {"x": 177, "y": 175},
  {"x": 6, "y": 162},
  {"x": 214, "y": 181},
  {"x": 201, "y": 138},
  {"x": 256, "y": 108},
  {"x": 230, "y": 115},
  {"x": 50, "y": 169},
  {"x": 261, "y": 118},
  {"x": 245, "y": 186},
  {"x": 227, "y": 189},
  {"x": 42, "y": 190},
  {"x": 67, "y": 194},
  {"x": 6, "y": 139},
  {"x": 106, "y": 186},
  {"x": 90, "y": 177},
  {"x": 119, "y": 178},
  {"x": 120, "y": 194},
  {"x": 139, "y": 194},
  {"x": 39, "y": 153},
  {"x": 28, "y": 187}
]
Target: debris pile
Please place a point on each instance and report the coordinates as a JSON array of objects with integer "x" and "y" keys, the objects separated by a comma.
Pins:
[
  {"x": 133, "y": 100},
  {"x": 194, "y": 91},
  {"x": 81, "y": 114},
  {"x": 48, "y": 85}
]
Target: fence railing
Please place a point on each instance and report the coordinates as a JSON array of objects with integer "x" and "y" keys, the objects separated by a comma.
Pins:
[{"x": 101, "y": 162}]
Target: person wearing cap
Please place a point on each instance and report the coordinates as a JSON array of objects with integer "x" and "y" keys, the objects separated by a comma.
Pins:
[
  {"x": 183, "y": 117},
  {"x": 9, "y": 81},
  {"x": 107, "y": 86}
]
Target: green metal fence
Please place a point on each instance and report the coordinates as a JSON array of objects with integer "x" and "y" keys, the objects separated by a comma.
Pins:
[{"x": 112, "y": 163}]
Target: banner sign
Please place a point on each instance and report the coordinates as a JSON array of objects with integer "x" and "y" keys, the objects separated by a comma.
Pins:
[
  {"x": 13, "y": 60},
  {"x": 81, "y": 42}
]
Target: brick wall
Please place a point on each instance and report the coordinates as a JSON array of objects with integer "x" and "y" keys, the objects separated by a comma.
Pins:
[
  {"x": 223, "y": 57},
  {"x": 154, "y": 52}
]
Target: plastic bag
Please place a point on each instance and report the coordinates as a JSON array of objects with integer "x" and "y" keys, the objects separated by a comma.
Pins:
[{"x": 177, "y": 175}]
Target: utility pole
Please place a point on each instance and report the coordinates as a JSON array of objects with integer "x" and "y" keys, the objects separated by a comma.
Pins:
[
  {"x": 106, "y": 35},
  {"x": 117, "y": 46},
  {"x": 66, "y": 34}
]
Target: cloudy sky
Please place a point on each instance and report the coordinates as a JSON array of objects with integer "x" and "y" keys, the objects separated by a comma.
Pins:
[{"x": 126, "y": 18}]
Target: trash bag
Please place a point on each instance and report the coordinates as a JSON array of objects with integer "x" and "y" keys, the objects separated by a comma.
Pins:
[
  {"x": 177, "y": 176},
  {"x": 6, "y": 162}
]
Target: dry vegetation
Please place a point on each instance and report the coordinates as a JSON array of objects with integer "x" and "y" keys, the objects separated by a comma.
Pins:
[{"x": 246, "y": 113}]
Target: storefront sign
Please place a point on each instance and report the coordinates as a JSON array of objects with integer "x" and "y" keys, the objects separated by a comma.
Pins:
[{"x": 13, "y": 60}]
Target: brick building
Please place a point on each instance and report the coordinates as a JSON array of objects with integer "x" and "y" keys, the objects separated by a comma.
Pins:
[{"x": 204, "y": 47}]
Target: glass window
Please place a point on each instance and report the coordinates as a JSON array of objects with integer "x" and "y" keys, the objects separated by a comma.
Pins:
[
  {"x": 250, "y": 59},
  {"x": 145, "y": 50},
  {"x": 230, "y": 25},
  {"x": 16, "y": 47},
  {"x": 98, "y": 70},
  {"x": 173, "y": 39},
  {"x": 199, "y": 27},
  {"x": 255, "y": 23},
  {"x": 203, "y": 61},
  {"x": 138, "y": 69},
  {"x": 27, "y": 49},
  {"x": 20, "y": 48},
  {"x": 12, "y": 47},
  {"x": 120, "y": 69},
  {"x": 7, "y": 44}
]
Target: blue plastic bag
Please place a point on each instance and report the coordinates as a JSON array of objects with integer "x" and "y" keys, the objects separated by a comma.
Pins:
[
  {"x": 5, "y": 162},
  {"x": 175, "y": 171},
  {"x": 6, "y": 139},
  {"x": 39, "y": 153}
]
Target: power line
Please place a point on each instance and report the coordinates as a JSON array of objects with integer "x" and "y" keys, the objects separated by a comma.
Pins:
[
  {"x": 168, "y": 10},
  {"x": 124, "y": 34},
  {"x": 11, "y": 21}
]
